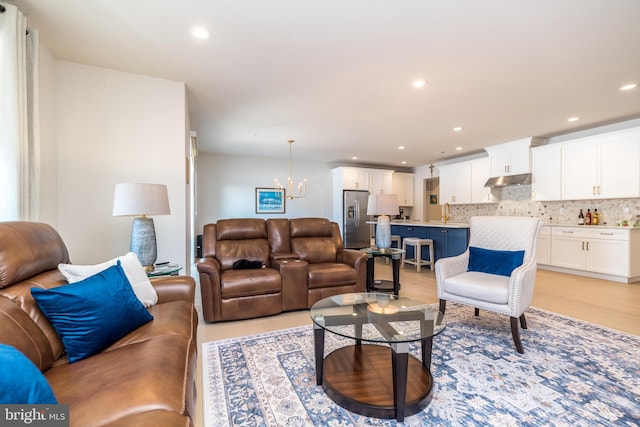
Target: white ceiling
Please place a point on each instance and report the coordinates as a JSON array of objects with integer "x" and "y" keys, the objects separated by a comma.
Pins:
[{"x": 335, "y": 75}]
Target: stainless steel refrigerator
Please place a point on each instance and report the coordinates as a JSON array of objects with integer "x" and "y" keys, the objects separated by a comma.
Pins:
[{"x": 355, "y": 230}]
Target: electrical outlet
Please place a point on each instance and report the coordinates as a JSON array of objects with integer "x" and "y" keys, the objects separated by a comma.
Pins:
[
  {"x": 626, "y": 210},
  {"x": 562, "y": 211}
]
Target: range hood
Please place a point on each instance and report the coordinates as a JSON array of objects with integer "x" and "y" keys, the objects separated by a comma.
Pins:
[{"x": 503, "y": 181}]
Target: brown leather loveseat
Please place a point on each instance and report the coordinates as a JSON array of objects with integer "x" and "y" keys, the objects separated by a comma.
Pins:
[
  {"x": 146, "y": 378},
  {"x": 302, "y": 261}
]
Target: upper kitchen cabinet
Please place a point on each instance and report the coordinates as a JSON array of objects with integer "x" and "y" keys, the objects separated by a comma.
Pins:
[
  {"x": 455, "y": 183},
  {"x": 403, "y": 186},
  {"x": 463, "y": 182},
  {"x": 380, "y": 181},
  {"x": 480, "y": 172},
  {"x": 375, "y": 181},
  {"x": 510, "y": 158},
  {"x": 602, "y": 166},
  {"x": 546, "y": 172},
  {"x": 353, "y": 178}
]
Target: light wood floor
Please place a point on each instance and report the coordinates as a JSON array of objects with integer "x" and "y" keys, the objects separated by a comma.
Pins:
[{"x": 610, "y": 304}]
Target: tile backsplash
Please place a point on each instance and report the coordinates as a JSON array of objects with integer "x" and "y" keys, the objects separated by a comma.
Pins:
[{"x": 516, "y": 201}]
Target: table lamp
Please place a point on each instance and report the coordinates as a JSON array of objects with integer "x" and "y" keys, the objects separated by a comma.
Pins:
[
  {"x": 142, "y": 199},
  {"x": 383, "y": 205}
]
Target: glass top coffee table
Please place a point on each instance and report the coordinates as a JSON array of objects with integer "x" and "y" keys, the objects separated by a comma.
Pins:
[{"x": 382, "y": 381}]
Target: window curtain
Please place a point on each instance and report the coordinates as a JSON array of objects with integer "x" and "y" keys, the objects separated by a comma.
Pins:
[{"x": 19, "y": 117}]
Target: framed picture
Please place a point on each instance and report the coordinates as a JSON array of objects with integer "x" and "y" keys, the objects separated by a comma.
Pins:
[
  {"x": 270, "y": 200},
  {"x": 433, "y": 199}
]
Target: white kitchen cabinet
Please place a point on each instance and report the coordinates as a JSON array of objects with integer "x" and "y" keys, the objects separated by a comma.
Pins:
[
  {"x": 598, "y": 250},
  {"x": 353, "y": 178},
  {"x": 376, "y": 181},
  {"x": 607, "y": 252},
  {"x": 510, "y": 158},
  {"x": 567, "y": 247},
  {"x": 455, "y": 183},
  {"x": 546, "y": 172},
  {"x": 543, "y": 246},
  {"x": 620, "y": 164},
  {"x": 463, "y": 182},
  {"x": 480, "y": 173},
  {"x": 602, "y": 166},
  {"x": 380, "y": 181},
  {"x": 402, "y": 184}
]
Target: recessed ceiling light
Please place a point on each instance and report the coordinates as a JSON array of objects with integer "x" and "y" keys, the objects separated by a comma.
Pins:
[
  {"x": 457, "y": 129},
  {"x": 628, "y": 86},
  {"x": 200, "y": 33},
  {"x": 573, "y": 119},
  {"x": 401, "y": 147},
  {"x": 403, "y": 162},
  {"x": 458, "y": 148},
  {"x": 354, "y": 158},
  {"x": 418, "y": 83}
]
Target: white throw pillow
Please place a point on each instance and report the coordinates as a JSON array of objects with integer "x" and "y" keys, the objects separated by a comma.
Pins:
[{"x": 132, "y": 269}]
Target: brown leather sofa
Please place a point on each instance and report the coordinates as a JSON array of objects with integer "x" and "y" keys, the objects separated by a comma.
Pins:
[
  {"x": 146, "y": 378},
  {"x": 303, "y": 260}
]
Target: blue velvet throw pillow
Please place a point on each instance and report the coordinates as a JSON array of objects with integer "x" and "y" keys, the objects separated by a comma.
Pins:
[
  {"x": 21, "y": 382},
  {"x": 494, "y": 262},
  {"x": 93, "y": 313}
]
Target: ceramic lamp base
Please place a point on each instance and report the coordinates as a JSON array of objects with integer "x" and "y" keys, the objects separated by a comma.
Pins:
[
  {"x": 383, "y": 232},
  {"x": 143, "y": 241}
]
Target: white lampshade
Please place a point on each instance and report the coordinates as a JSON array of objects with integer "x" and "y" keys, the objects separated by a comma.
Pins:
[
  {"x": 383, "y": 204},
  {"x": 140, "y": 199}
]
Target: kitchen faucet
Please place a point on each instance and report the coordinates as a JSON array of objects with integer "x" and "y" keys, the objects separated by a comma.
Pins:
[{"x": 446, "y": 211}]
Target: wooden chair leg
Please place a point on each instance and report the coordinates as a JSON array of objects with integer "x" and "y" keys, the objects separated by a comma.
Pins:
[
  {"x": 523, "y": 321},
  {"x": 443, "y": 305},
  {"x": 515, "y": 331},
  {"x": 476, "y": 311}
]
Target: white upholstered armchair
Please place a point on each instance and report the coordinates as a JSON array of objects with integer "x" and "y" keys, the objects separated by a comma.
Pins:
[{"x": 497, "y": 271}]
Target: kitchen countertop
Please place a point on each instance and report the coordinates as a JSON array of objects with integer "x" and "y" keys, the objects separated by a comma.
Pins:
[
  {"x": 416, "y": 223},
  {"x": 593, "y": 227},
  {"x": 454, "y": 224}
]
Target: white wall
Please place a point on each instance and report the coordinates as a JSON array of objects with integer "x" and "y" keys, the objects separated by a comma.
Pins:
[
  {"x": 116, "y": 127},
  {"x": 226, "y": 187},
  {"x": 419, "y": 175},
  {"x": 48, "y": 210}
]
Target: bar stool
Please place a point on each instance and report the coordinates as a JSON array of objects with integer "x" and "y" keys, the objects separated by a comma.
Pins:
[{"x": 417, "y": 244}]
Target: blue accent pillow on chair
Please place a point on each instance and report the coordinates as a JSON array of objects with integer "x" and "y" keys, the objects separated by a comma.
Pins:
[
  {"x": 494, "y": 261},
  {"x": 93, "y": 313},
  {"x": 21, "y": 382}
]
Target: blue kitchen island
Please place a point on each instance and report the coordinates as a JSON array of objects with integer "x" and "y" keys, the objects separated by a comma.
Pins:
[{"x": 449, "y": 239}]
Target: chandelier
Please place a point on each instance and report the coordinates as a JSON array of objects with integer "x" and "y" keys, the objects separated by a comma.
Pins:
[{"x": 301, "y": 189}]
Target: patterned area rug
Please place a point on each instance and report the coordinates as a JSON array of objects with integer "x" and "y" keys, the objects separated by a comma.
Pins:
[{"x": 573, "y": 373}]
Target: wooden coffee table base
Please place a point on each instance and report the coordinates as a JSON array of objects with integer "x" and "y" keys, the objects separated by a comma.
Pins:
[{"x": 360, "y": 379}]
